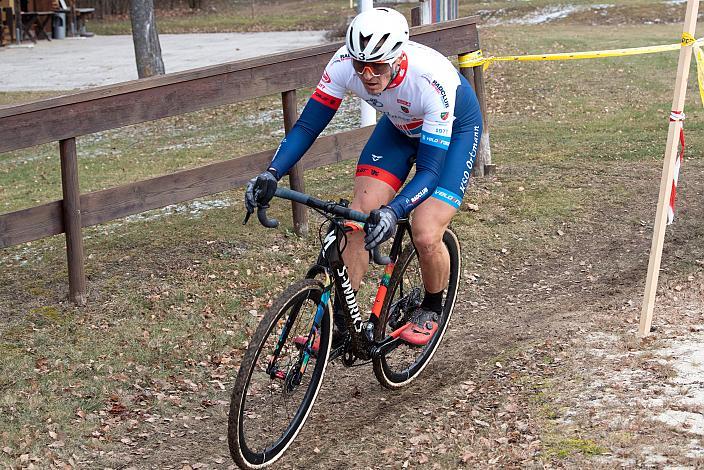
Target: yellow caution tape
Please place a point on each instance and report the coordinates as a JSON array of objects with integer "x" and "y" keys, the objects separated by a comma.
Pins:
[
  {"x": 699, "y": 57},
  {"x": 476, "y": 59}
]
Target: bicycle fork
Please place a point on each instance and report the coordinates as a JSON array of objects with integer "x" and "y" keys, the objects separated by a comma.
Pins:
[{"x": 294, "y": 375}]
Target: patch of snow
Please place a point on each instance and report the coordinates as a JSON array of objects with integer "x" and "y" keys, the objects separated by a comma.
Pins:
[
  {"x": 653, "y": 459},
  {"x": 676, "y": 401},
  {"x": 675, "y": 2},
  {"x": 193, "y": 210},
  {"x": 689, "y": 360},
  {"x": 683, "y": 420},
  {"x": 696, "y": 451},
  {"x": 543, "y": 15}
]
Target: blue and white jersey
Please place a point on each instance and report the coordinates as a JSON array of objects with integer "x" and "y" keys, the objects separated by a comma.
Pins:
[
  {"x": 420, "y": 101},
  {"x": 425, "y": 102}
]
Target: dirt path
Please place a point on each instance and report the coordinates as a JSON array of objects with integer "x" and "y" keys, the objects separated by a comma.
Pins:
[{"x": 540, "y": 368}]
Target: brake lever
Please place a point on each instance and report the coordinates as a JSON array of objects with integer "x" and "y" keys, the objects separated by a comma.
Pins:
[{"x": 247, "y": 216}]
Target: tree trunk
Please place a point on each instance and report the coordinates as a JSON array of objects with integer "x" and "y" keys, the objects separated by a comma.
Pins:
[{"x": 147, "y": 49}]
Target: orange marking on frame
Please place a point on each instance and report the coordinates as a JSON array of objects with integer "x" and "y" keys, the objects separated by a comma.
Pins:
[
  {"x": 383, "y": 287},
  {"x": 379, "y": 301},
  {"x": 354, "y": 226}
]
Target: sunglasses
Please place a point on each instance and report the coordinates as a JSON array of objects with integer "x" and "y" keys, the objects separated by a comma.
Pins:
[{"x": 375, "y": 68}]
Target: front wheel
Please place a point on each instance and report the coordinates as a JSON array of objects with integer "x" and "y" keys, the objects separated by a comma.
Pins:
[
  {"x": 402, "y": 365},
  {"x": 280, "y": 375}
]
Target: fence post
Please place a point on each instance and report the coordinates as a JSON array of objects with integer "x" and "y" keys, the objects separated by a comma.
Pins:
[
  {"x": 482, "y": 166},
  {"x": 72, "y": 221},
  {"x": 295, "y": 175}
]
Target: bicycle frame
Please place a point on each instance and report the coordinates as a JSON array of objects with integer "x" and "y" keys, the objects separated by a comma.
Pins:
[{"x": 331, "y": 262}]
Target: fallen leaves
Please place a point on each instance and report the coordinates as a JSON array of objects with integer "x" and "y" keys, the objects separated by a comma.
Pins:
[{"x": 117, "y": 408}]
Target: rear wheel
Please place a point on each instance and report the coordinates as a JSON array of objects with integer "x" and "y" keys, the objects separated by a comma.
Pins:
[
  {"x": 280, "y": 376},
  {"x": 402, "y": 365}
]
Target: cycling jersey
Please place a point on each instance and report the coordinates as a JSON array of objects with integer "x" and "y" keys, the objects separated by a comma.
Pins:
[{"x": 420, "y": 102}]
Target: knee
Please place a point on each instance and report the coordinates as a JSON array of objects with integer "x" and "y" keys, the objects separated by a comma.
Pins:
[{"x": 427, "y": 241}]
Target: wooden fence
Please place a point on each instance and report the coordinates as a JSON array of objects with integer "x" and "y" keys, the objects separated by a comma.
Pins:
[{"x": 64, "y": 118}]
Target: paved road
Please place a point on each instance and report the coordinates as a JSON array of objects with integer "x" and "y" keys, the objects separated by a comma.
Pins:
[{"x": 101, "y": 60}]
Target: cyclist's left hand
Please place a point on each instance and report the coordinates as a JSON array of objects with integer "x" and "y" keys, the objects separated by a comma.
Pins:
[{"x": 380, "y": 227}]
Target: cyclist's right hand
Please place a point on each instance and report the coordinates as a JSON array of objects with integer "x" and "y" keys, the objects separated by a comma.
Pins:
[{"x": 260, "y": 190}]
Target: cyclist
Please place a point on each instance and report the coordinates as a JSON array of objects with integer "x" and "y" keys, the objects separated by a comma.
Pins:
[{"x": 431, "y": 117}]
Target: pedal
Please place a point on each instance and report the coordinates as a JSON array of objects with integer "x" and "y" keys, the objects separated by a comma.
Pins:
[{"x": 348, "y": 358}]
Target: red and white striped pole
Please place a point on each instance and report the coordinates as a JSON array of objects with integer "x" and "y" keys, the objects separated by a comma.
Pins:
[{"x": 668, "y": 169}]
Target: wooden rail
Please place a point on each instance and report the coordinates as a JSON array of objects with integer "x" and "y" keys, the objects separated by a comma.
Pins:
[{"x": 66, "y": 117}]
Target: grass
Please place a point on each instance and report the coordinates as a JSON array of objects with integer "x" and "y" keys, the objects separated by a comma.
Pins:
[
  {"x": 174, "y": 298},
  {"x": 262, "y": 16},
  {"x": 332, "y": 15},
  {"x": 563, "y": 448}
]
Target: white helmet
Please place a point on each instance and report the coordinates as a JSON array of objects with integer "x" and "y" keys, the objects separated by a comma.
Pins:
[{"x": 377, "y": 35}]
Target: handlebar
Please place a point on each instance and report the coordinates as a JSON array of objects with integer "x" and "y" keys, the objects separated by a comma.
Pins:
[{"x": 328, "y": 207}]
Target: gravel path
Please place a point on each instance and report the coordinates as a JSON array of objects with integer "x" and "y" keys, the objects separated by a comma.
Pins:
[{"x": 102, "y": 60}]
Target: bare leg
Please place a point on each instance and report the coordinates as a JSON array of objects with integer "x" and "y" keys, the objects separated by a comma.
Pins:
[
  {"x": 429, "y": 221},
  {"x": 369, "y": 194}
]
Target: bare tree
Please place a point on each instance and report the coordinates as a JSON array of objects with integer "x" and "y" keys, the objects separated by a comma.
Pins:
[{"x": 147, "y": 49}]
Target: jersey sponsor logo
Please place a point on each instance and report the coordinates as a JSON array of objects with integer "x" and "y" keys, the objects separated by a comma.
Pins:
[
  {"x": 374, "y": 102},
  {"x": 443, "y": 95},
  {"x": 376, "y": 158},
  {"x": 420, "y": 194},
  {"x": 400, "y": 117},
  {"x": 444, "y": 115},
  {"x": 341, "y": 58},
  {"x": 448, "y": 197},
  {"x": 405, "y": 109},
  {"x": 380, "y": 174},
  {"x": 403, "y": 102},
  {"x": 326, "y": 77},
  {"x": 435, "y": 140},
  {"x": 328, "y": 100},
  {"x": 470, "y": 162}
]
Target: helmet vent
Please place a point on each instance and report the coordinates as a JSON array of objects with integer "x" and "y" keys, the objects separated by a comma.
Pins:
[
  {"x": 380, "y": 43},
  {"x": 364, "y": 40}
]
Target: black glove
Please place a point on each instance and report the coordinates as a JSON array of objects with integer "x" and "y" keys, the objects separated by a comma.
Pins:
[
  {"x": 260, "y": 190},
  {"x": 380, "y": 227}
]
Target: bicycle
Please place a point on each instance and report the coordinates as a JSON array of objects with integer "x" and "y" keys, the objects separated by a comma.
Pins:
[{"x": 287, "y": 356}]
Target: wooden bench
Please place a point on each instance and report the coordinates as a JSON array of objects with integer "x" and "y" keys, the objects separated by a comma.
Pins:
[
  {"x": 78, "y": 21},
  {"x": 31, "y": 20}
]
